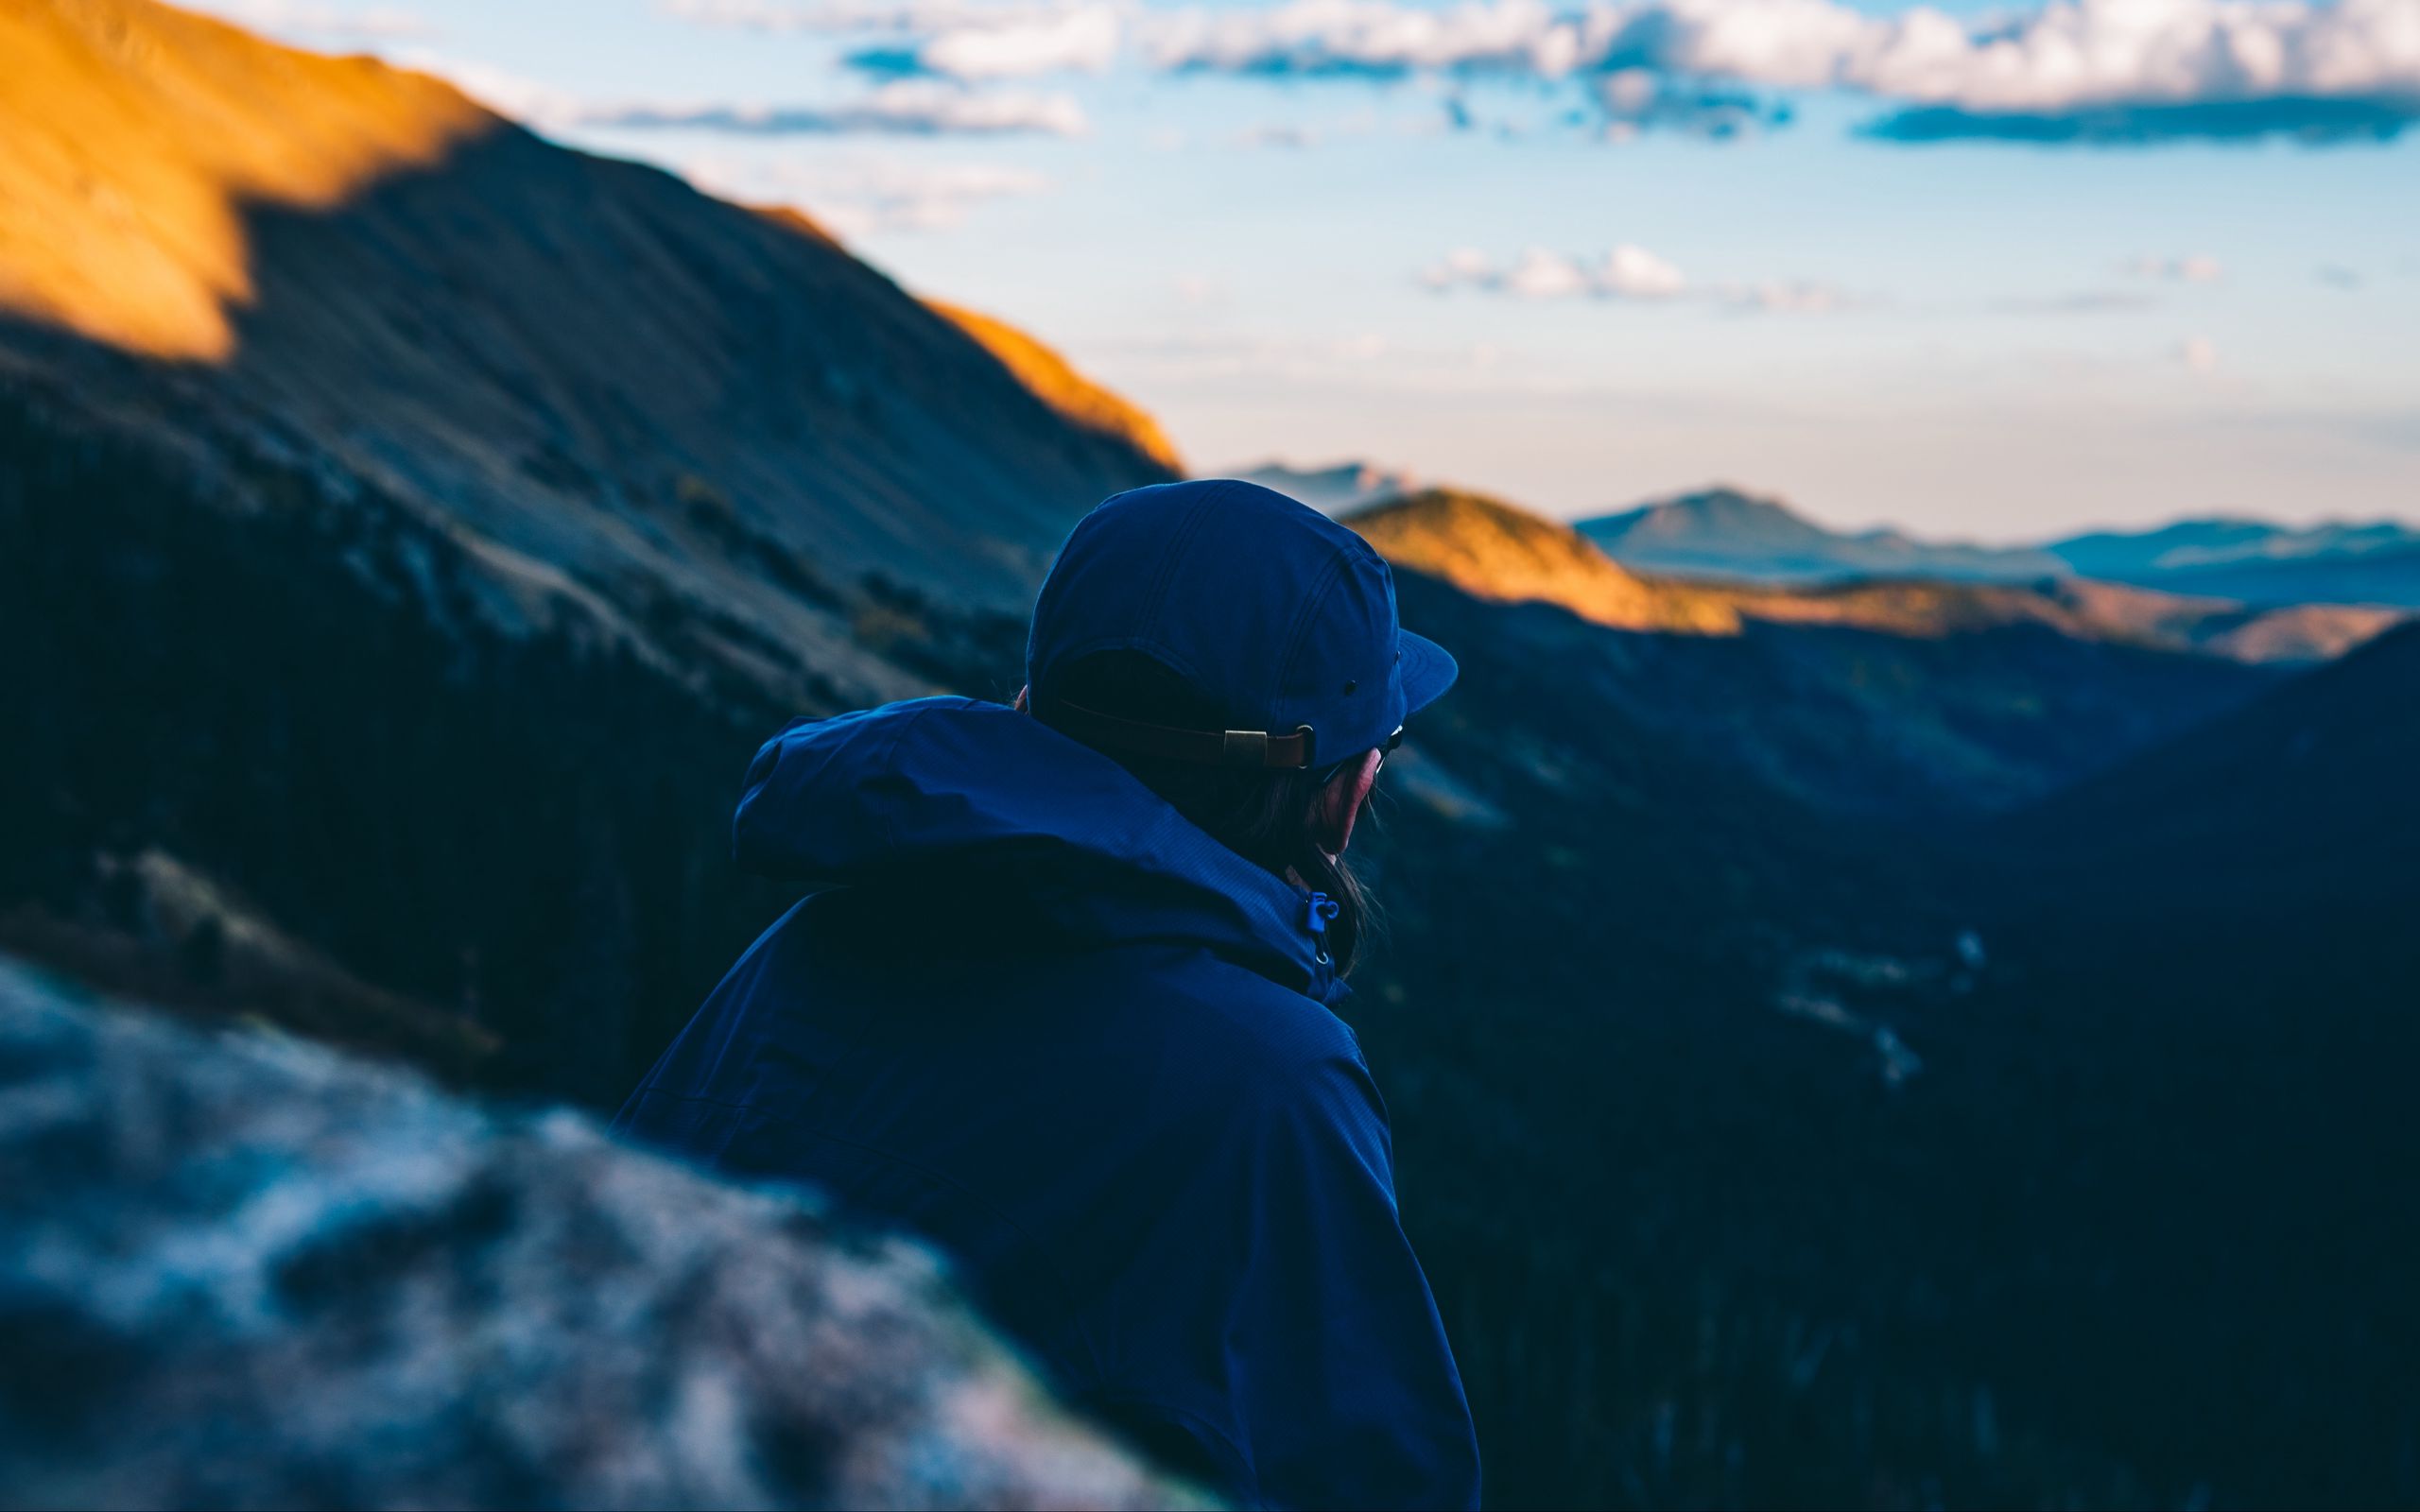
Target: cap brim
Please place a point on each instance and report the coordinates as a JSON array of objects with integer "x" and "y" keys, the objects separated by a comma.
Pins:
[{"x": 1428, "y": 670}]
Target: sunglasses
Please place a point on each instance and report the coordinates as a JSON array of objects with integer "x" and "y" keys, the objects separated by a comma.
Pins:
[{"x": 1385, "y": 748}]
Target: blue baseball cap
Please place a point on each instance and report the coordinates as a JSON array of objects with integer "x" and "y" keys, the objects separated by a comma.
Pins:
[{"x": 1278, "y": 616}]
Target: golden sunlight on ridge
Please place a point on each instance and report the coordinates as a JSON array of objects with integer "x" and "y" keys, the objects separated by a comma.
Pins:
[
  {"x": 132, "y": 137},
  {"x": 1491, "y": 550},
  {"x": 1057, "y": 384}
]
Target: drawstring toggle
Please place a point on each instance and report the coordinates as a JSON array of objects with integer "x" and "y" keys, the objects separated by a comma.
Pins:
[{"x": 1322, "y": 909}]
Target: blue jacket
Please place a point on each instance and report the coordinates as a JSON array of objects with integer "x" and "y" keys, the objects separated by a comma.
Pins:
[{"x": 1041, "y": 1018}]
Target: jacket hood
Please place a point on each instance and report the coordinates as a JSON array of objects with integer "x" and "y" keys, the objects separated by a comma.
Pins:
[{"x": 976, "y": 799}]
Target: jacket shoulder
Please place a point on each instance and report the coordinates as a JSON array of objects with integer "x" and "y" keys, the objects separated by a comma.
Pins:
[{"x": 1271, "y": 1033}]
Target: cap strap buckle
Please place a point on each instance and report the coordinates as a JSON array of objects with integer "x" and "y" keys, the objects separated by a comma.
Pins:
[
  {"x": 1243, "y": 747},
  {"x": 1208, "y": 748}
]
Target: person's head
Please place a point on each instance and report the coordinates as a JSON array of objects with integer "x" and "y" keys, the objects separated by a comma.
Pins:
[{"x": 1240, "y": 654}]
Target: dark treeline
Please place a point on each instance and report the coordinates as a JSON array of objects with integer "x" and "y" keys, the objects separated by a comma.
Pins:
[
  {"x": 304, "y": 702},
  {"x": 1693, "y": 1249}
]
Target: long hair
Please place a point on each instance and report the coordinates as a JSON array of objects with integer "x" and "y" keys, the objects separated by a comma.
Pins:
[{"x": 1264, "y": 816}]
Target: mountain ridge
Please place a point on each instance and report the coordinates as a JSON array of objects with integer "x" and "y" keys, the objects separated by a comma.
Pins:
[
  {"x": 1499, "y": 551},
  {"x": 1727, "y": 532},
  {"x": 637, "y": 390},
  {"x": 1334, "y": 487}
]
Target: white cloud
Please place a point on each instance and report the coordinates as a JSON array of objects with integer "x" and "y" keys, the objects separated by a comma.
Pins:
[
  {"x": 2198, "y": 268},
  {"x": 1790, "y": 296},
  {"x": 904, "y": 17},
  {"x": 1367, "y": 37},
  {"x": 1634, "y": 272},
  {"x": 1083, "y": 38},
  {"x": 860, "y": 196},
  {"x": 2106, "y": 69},
  {"x": 1626, "y": 273},
  {"x": 2112, "y": 70},
  {"x": 908, "y": 107},
  {"x": 2198, "y": 354}
]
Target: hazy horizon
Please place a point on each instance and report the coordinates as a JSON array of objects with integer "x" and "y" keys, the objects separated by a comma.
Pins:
[{"x": 1238, "y": 467}]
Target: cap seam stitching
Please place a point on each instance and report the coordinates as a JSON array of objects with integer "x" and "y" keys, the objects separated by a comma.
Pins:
[{"x": 1299, "y": 631}]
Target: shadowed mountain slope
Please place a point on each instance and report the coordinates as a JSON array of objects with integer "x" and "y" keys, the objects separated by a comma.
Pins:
[
  {"x": 2377, "y": 562},
  {"x": 2298, "y": 811},
  {"x": 603, "y": 378},
  {"x": 136, "y": 138},
  {"x": 408, "y": 527}
]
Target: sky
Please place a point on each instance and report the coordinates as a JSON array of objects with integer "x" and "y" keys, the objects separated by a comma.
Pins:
[{"x": 1996, "y": 272}]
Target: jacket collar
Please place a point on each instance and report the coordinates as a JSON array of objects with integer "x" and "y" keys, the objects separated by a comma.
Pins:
[{"x": 986, "y": 797}]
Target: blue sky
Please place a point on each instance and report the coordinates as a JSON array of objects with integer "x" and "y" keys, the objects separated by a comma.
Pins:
[{"x": 1997, "y": 274}]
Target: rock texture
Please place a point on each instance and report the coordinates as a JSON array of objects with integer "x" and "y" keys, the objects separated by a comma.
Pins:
[{"x": 235, "y": 1270}]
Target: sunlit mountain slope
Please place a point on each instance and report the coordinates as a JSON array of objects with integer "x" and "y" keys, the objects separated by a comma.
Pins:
[
  {"x": 1080, "y": 400},
  {"x": 631, "y": 402},
  {"x": 1498, "y": 551}
]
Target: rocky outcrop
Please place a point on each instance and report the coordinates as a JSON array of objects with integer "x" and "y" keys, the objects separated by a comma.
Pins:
[{"x": 237, "y": 1270}]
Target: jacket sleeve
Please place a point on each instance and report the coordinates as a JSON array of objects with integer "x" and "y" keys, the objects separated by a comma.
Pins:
[{"x": 1292, "y": 1342}]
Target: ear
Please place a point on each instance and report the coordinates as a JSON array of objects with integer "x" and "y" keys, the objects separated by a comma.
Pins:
[
  {"x": 1024, "y": 700},
  {"x": 1340, "y": 802}
]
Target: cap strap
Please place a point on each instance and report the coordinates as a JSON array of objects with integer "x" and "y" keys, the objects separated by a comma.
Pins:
[{"x": 1206, "y": 748}]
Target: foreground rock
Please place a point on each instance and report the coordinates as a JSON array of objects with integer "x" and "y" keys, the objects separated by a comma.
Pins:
[{"x": 237, "y": 1270}]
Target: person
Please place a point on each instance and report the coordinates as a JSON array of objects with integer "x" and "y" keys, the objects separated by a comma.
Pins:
[{"x": 1062, "y": 1001}]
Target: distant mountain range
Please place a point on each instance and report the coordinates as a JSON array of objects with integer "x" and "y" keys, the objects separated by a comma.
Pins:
[
  {"x": 2251, "y": 559},
  {"x": 1498, "y": 551},
  {"x": 1872, "y": 695},
  {"x": 1726, "y": 533},
  {"x": 1337, "y": 489}
]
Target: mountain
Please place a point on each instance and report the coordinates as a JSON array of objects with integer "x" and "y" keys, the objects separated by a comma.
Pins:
[
  {"x": 1726, "y": 533},
  {"x": 1493, "y": 550},
  {"x": 1723, "y": 533},
  {"x": 2295, "y": 811},
  {"x": 1337, "y": 489},
  {"x": 1499, "y": 551},
  {"x": 620, "y": 391},
  {"x": 1078, "y": 400},
  {"x": 409, "y": 526},
  {"x": 1879, "y": 697},
  {"x": 2259, "y": 562}
]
